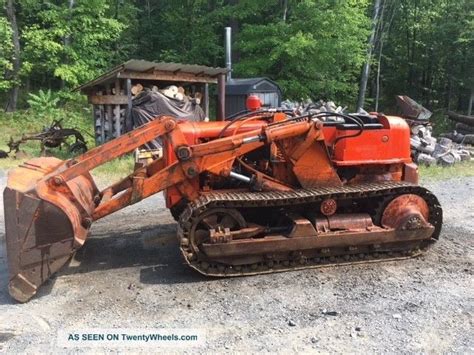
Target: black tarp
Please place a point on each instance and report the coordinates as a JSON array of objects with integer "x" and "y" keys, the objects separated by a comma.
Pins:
[{"x": 150, "y": 104}]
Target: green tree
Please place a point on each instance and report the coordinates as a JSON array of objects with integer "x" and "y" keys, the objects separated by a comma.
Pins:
[
  {"x": 314, "y": 49},
  {"x": 70, "y": 41},
  {"x": 6, "y": 49},
  {"x": 180, "y": 31},
  {"x": 429, "y": 53}
]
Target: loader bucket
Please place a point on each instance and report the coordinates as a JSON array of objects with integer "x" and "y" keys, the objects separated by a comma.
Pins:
[{"x": 46, "y": 221}]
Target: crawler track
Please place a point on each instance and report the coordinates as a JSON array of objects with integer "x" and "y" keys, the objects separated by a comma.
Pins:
[{"x": 375, "y": 195}]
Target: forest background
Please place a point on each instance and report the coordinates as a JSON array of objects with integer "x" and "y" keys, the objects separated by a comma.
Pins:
[{"x": 314, "y": 49}]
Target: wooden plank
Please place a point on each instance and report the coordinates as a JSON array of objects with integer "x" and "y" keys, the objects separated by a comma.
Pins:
[
  {"x": 110, "y": 115},
  {"x": 128, "y": 116},
  {"x": 168, "y": 76},
  {"x": 117, "y": 110},
  {"x": 94, "y": 119},
  {"x": 108, "y": 99},
  {"x": 206, "y": 99},
  {"x": 102, "y": 124}
]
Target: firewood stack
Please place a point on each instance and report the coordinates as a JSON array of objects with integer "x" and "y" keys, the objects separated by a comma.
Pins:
[
  {"x": 110, "y": 117},
  {"x": 464, "y": 131}
]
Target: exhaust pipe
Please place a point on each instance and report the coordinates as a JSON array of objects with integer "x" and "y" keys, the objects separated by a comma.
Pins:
[{"x": 228, "y": 52}]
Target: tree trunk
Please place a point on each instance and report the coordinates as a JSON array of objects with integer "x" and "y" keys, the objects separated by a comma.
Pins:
[
  {"x": 234, "y": 24},
  {"x": 67, "y": 38},
  {"x": 285, "y": 9},
  {"x": 13, "y": 75},
  {"x": 377, "y": 91},
  {"x": 471, "y": 99},
  {"x": 412, "y": 69},
  {"x": 469, "y": 120},
  {"x": 366, "y": 68}
]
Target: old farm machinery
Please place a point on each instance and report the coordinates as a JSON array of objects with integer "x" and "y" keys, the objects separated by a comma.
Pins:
[{"x": 268, "y": 191}]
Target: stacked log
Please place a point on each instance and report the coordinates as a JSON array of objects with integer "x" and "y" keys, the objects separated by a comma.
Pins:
[
  {"x": 464, "y": 128},
  {"x": 464, "y": 131},
  {"x": 109, "y": 119},
  {"x": 110, "y": 106}
]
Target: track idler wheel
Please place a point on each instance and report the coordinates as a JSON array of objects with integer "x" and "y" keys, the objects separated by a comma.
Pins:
[
  {"x": 406, "y": 212},
  {"x": 214, "y": 226}
]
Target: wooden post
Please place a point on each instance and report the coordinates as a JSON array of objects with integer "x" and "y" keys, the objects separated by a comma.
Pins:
[
  {"x": 366, "y": 67},
  {"x": 117, "y": 110},
  {"x": 128, "y": 116},
  {"x": 221, "y": 97},
  {"x": 206, "y": 99},
  {"x": 110, "y": 115},
  {"x": 102, "y": 124},
  {"x": 94, "y": 119}
]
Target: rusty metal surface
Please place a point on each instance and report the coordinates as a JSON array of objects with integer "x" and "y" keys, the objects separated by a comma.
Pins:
[
  {"x": 44, "y": 226},
  {"x": 279, "y": 244},
  {"x": 344, "y": 222},
  {"x": 302, "y": 228},
  {"x": 412, "y": 109},
  {"x": 49, "y": 206},
  {"x": 328, "y": 207},
  {"x": 353, "y": 246},
  {"x": 408, "y": 211}
]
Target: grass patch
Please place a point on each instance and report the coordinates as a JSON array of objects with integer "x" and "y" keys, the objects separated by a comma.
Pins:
[
  {"x": 438, "y": 172},
  {"x": 9, "y": 163},
  {"x": 114, "y": 170},
  {"x": 105, "y": 174},
  {"x": 77, "y": 115},
  {"x": 26, "y": 122}
]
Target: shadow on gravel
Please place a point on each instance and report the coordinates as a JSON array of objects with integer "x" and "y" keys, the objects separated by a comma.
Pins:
[{"x": 155, "y": 248}]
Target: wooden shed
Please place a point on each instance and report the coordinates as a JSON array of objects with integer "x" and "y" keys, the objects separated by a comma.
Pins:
[{"x": 111, "y": 93}]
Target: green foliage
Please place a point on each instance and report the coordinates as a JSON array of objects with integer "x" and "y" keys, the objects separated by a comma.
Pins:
[
  {"x": 441, "y": 123},
  {"x": 32, "y": 121},
  {"x": 439, "y": 172},
  {"x": 316, "y": 52},
  {"x": 71, "y": 43},
  {"x": 44, "y": 103},
  {"x": 429, "y": 53},
  {"x": 180, "y": 31},
  {"x": 312, "y": 48},
  {"x": 6, "y": 47}
]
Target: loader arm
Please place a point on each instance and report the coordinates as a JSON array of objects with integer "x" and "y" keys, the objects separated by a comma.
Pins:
[
  {"x": 216, "y": 157},
  {"x": 50, "y": 204}
]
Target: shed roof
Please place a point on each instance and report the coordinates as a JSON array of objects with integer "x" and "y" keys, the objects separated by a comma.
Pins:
[
  {"x": 245, "y": 85},
  {"x": 146, "y": 70}
]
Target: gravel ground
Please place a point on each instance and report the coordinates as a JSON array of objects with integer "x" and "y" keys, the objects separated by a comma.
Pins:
[{"x": 130, "y": 275}]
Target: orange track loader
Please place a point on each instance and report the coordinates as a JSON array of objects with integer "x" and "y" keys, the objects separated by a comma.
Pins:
[{"x": 263, "y": 193}]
